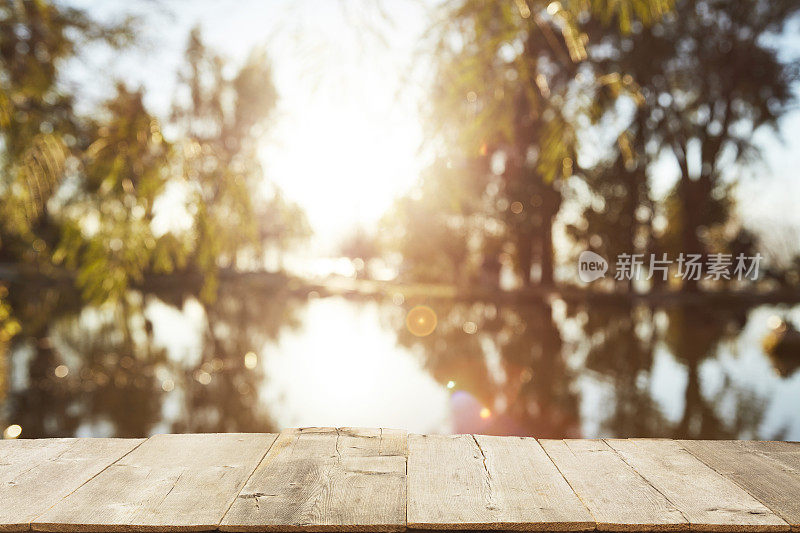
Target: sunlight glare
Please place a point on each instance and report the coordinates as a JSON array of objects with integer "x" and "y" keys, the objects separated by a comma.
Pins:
[
  {"x": 345, "y": 166},
  {"x": 342, "y": 369}
]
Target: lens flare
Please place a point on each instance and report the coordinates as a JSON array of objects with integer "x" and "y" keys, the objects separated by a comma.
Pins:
[{"x": 421, "y": 320}]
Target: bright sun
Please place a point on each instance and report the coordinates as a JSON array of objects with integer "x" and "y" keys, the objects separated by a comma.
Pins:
[
  {"x": 348, "y": 134},
  {"x": 344, "y": 162}
]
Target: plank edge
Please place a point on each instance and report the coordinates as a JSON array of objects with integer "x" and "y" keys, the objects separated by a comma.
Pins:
[
  {"x": 61, "y": 527},
  {"x": 504, "y": 526},
  {"x": 319, "y": 528}
]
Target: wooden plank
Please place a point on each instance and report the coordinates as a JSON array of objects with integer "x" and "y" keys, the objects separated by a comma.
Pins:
[
  {"x": 770, "y": 475},
  {"x": 168, "y": 483},
  {"x": 483, "y": 482},
  {"x": 709, "y": 501},
  {"x": 618, "y": 497},
  {"x": 787, "y": 453},
  {"x": 326, "y": 479},
  {"x": 37, "y": 474}
]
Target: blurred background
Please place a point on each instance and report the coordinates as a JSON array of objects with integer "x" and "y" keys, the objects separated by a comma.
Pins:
[{"x": 222, "y": 215}]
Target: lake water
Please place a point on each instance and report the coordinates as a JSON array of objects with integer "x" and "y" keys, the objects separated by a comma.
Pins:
[{"x": 259, "y": 360}]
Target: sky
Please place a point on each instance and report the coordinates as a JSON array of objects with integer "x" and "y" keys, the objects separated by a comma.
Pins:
[{"x": 348, "y": 132}]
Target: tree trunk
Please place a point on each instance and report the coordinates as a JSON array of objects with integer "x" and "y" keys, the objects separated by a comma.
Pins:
[
  {"x": 546, "y": 261},
  {"x": 525, "y": 257}
]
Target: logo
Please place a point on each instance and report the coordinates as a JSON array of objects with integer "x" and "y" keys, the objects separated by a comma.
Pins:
[{"x": 591, "y": 266}]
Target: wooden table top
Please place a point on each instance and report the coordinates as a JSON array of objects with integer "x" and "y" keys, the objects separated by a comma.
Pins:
[{"x": 346, "y": 479}]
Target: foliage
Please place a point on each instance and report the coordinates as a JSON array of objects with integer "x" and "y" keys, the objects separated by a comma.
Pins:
[
  {"x": 520, "y": 88},
  {"x": 221, "y": 122},
  {"x": 107, "y": 236},
  {"x": 505, "y": 109},
  {"x": 706, "y": 81},
  {"x": 38, "y": 125},
  {"x": 82, "y": 192}
]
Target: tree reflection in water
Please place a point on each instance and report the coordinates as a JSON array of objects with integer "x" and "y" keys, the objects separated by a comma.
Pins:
[
  {"x": 101, "y": 371},
  {"x": 506, "y": 368},
  {"x": 512, "y": 362},
  {"x": 510, "y": 368}
]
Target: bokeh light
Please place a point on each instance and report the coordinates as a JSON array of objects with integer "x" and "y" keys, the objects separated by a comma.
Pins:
[
  {"x": 203, "y": 377},
  {"x": 775, "y": 322},
  {"x": 250, "y": 360},
  {"x": 12, "y": 432},
  {"x": 421, "y": 320}
]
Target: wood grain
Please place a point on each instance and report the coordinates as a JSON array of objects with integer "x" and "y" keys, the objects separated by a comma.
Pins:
[
  {"x": 326, "y": 479},
  {"x": 168, "y": 483},
  {"x": 787, "y": 453},
  {"x": 769, "y": 472},
  {"x": 709, "y": 501},
  {"x": 483, "y": 482},
  {"x": 37, "y": 474},
  {"x": 618, "y": 497}
]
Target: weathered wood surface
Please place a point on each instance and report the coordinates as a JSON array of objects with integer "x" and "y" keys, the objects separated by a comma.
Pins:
[
  {"x": 482, "y": 482},
  {"x": 327, "y": 479},
  {"x": 707, "y": 500},
  {"x": 37, "y": 474},
  {"x": 617, "y": 496},
  {"x": 168, "y": 483},
  {"x": 768, "y": 471}
]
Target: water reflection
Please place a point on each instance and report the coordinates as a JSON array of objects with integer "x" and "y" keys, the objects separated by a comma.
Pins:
[{"x": 259, "y": 359}]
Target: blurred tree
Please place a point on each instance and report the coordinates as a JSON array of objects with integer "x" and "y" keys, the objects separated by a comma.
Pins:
[
  {"x": 618, "y": 218},
  {"x": 281, "y": 223},
  {"x": 360, "y": 244},
  {"x": 431, "y": 229},
  {"x": 81, "y": 192},
  {"x": 222, "y": 119},
  {"x": 39, "y": 130},
  {"x": 778, "y": 242},
  {"x": 38, "y": 126},
  {"x": 107, "y": 235},
  {"x": 504, "y": 110},
  {"x": 706, "y": 79}
]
